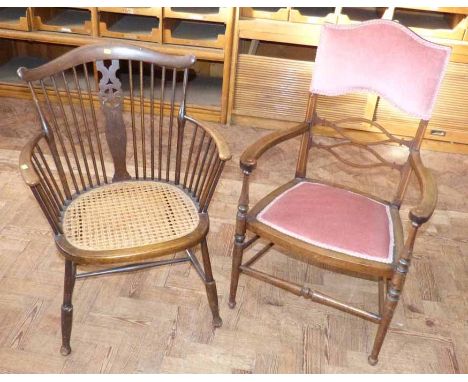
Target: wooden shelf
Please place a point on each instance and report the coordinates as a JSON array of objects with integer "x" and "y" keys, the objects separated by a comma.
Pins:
[
  {"x": 278, "y": 50},
  {"x": 278, "y": 31},
  {"x": 434, "y": 24},
  {"x": 202, "y": 112},
  {"x": 8, "y": 69},
  {"x": 16, "y": 54},
  {"x": 202, "y": 91},
  {"x": 15, "y": 18},
  {"x": 63, "y": 20},
  {"x": 77, "y": 40},
  {"x": 273, "y": 13},
  {"x": 207, "y": 33},
  {"x": 354, "y": 15},
  {"x": 459, "y": 10},
  {"x": 213, "y": 14},
  {"x": 272, "y": 55},
  {"x": 203, "y": 32},
  {"x": 143, "y": 11},
  {"x": 129, "y": 26},
  {"x": 181, "y": 32},
  {"x": 313, "y": 15}
]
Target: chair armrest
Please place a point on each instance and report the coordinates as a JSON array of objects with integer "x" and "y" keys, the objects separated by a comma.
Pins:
[
  {"x": 249, "y": 157},
  {"x": 26, "y": 167},
  {"x": 221, "y": 144},
  {"x": 422, "y": 213}
]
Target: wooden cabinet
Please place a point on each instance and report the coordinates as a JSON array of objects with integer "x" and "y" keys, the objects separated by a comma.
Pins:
[
  {"x": 313, "y": 15},
  {"x": 188, "y": 32},
  {"x": 15, "y": 18},
  {"x": 274, "y": 59},
  {"x": 254, "y": 64},
  {"x": 32, "y": 36},
  {"x": 446, "y": 25},
  {"x": 62, "y": 20},
  {"x": 210, "y": 14},
  {"x": 129, "y": 25},
  {"x": 278, "y": 13}
]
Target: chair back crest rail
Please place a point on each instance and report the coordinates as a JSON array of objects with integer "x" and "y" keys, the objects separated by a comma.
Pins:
[{"x": 89, "y": 141}]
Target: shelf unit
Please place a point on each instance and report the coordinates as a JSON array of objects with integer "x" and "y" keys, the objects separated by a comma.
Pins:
[
  {"x": 314, "y": 15},
  {"x": 15, "y": 18},
  {"x": 447, "y": 25},
  {"x": 188, "y": 32},
  {"x": 272, "y": 54},
  {"x": 131, "y": 26},
  {"x": 51, "y": 31},
  {"x": 62, "y": 20},
  {"x": 278, "y": 13},
  {"x": 356, "y": 15},
  {"x": 212, "y": 14},
  {"x": 247, "y": 57}
]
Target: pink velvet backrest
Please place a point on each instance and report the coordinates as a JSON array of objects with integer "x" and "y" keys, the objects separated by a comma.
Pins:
[{"x": 381, "y": 57}]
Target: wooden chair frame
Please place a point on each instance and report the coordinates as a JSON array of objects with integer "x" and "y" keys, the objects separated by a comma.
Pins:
[
  {"x": 67, "y": 158},
  {"x": 391, "y": 277}
]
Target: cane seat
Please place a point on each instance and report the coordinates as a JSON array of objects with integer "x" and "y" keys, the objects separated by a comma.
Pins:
[{"x": 129, "y": 214}]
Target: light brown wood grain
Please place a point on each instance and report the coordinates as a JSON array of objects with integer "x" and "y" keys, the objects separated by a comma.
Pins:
[{"x": 157, "y": 326}]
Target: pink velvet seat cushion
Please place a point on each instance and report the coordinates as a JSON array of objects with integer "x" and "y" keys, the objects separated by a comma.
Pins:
[{"x": 333, "y": 218}]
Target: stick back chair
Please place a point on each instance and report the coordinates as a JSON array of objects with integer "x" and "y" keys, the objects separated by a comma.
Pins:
[
  {"x": 118, "y": 188},
  {"x": 330, "y": 225}
]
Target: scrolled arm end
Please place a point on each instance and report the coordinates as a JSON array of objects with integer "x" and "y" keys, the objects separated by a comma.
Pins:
[
  {"x": 28, "y": 173},
  {"x": 423, "y": 212},
  {"x": 223, "y": 149},
  {"x": 248, "y": 164}
]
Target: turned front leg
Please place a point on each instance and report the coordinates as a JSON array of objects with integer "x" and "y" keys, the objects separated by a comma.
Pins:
[
  {"x": 239, "y": 238},
  {"x": 67, "y": 307},
  {"x": 210, "y": 286},
  {"x": 393, "y": 294}
]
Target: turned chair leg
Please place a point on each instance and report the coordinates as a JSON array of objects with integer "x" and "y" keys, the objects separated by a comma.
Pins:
[
  {"x": 67, "y": 307},
  {"x": 389, "y": 307},
  {"x": 210, "y": 286},
  {"x": 237, "y": 254},
  {"x": 382, "y": 287}
]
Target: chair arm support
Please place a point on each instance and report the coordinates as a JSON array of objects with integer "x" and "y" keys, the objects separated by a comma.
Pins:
[
  {"x": 221, "y": 144},
  {"x": 422, "y": 213},
  {"x": 28, "y": 173},
  {"x": 249, "y": 157}
]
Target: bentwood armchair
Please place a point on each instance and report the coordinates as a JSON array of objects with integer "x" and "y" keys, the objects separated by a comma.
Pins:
[
  {"x": 329, "y": 225},
  {"x": 121, "y": 188}
]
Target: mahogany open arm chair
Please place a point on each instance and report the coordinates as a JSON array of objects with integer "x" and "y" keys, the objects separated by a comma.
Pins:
[
  {"x": 337, "y": 227},
  {"x": 163, "y": 179}
]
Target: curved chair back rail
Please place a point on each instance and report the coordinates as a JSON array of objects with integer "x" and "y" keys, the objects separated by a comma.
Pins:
[
  {"x": 89, "y": 141},
  {"x": 105, "y": 51},
  {"x": 383, "y": 57}
]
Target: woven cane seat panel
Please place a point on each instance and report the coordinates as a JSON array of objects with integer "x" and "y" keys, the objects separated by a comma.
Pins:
[{"x": 129, "y": 214}]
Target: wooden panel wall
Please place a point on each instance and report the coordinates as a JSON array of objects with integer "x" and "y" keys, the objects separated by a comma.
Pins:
[
  {"x": 450, "y": 113},
  {"x": 277, "y": 88}
]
